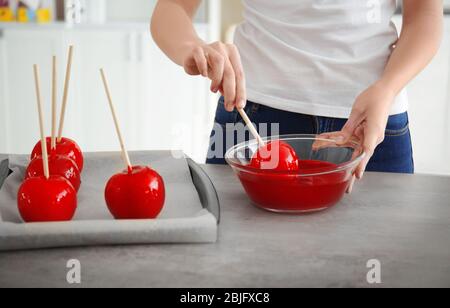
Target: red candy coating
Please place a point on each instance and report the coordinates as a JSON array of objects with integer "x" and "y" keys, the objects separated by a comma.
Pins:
[
  {"x": 58, "y": 165},
  {"x": 275, "y": 155},
  {"x": 135, "y": 194},
  {"x": 66, "y": 147},
  {"x": 47, "y": 200},
  {"x": 297, "y": 193}
]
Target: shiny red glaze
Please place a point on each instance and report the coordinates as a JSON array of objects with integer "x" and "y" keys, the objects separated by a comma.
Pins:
[
  {"x": 58, "y": 165},
  {"x": 296, "y": 193},
  {"x": 275, "y": 155},
  {"x": 47, "y": 200},
  {"x": 66, "y": 147},
  {"x": 135, "y": 194}
]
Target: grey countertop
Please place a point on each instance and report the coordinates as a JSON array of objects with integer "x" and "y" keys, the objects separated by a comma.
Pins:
[{"x": 401, "y": 220}]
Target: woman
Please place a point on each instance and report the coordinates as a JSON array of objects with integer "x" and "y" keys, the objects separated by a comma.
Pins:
[{"x": 314, "y": 67}]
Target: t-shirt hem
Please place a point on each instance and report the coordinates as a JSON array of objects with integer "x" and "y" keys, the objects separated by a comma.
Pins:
[{"x": 400, "y": 106}]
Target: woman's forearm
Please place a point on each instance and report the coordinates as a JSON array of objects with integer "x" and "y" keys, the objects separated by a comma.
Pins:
[
  {"x": 419, "y": 42},
  {"x": 172, "y": 27}
]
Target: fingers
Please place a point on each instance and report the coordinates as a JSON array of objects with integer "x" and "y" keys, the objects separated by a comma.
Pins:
[
  {"x": 235, "y": 60},
  {"x": 362, "y": 167},
  {"x": 229, "y": 87},
  {"x": 201, "y": 61},
  {"x": 351, "y": 185},
  {"x": 226, "y": 74},
  {"x": 354, "y": 121},
  {"x": 339, "y": 139},
  {"x": 228, "y": 78},
  {"x": 334, "y": 136},
  {"x": 373, "y": 136},
  {"x": 222, "y": 64},
  {"x": 216, "y": 64},
  {"x": 325, "y": 140},
  {"x": 359, "y": 132}
]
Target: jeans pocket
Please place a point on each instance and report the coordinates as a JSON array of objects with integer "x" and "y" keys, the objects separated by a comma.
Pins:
[{"x": 398, "y": 125}]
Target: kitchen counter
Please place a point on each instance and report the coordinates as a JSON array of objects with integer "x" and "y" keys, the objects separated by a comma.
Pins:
[{"x": 401, "y": 220}]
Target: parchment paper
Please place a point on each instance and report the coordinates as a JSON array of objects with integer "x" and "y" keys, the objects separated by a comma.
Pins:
[{"x": 183, "y": 219}]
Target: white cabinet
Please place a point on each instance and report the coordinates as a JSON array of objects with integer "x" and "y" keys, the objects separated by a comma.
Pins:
[
  {"x": 158, "y": 105},
  {"x": 20, "y": 51}
]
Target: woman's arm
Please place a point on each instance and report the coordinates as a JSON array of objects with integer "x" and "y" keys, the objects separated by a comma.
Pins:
[
  {"x": 172, "y": 29},
  {"x": 418, "y": 43}
]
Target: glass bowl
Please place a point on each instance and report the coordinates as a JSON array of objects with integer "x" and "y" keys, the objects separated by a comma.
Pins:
[{"x": 325, "y": 172}]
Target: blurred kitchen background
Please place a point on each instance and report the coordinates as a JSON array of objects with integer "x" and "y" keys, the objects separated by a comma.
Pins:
[{"x": 158, "y": 105}]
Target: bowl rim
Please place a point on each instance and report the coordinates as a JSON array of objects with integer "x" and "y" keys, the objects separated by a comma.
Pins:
[{"x": 341, "y": 167}]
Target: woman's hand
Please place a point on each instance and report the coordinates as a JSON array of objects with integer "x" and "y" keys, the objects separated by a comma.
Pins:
[
  {"x": 221, "y": 63},
  {"x": 368, "y": 121}
]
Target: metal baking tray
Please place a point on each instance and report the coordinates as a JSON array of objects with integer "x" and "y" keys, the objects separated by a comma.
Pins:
[{"x": 22, "y": 239}]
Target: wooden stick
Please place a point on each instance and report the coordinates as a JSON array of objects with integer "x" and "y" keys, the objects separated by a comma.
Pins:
[
  {"x": 66, "y": 93},
  {"x": 251, "y": 127},
  {"x": 125, "y": 156},
  {"x": 54, "y": 98},
  {"x": 246, "y": 119},
  {"x": 41, "y": 122}
]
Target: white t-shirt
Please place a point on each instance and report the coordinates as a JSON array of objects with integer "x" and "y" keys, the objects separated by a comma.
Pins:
[{"x": 316, "y": 56}]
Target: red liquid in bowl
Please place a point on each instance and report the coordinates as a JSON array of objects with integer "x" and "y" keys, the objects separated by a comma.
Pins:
[{"x": 291, "y": 193}]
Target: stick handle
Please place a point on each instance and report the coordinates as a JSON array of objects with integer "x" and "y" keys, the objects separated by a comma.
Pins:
[
  {"x": 41, "y": 122},
  {"x": 251, "y": 127},
  {"x": 66, "y": 93},
  {"x": 125, "y": 156},
  {"x": 54, "y": 97}
]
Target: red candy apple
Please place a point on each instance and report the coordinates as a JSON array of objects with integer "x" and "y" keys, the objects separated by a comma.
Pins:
[
  {"x": 58, "y": 165},
  {"x": 47, "y": 200},
  {"x": 137, "y": 193},
  {"x": 275, "y": 155},
  {"x": 65, "y": 147}
]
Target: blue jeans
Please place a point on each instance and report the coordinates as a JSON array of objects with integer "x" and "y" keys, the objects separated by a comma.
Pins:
[{"x": 393, "y": 155}]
